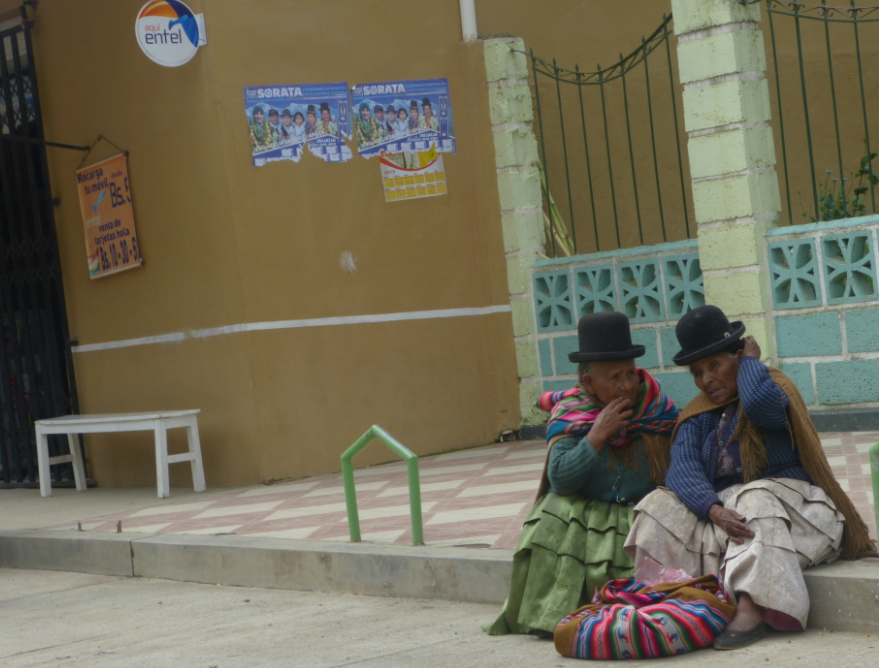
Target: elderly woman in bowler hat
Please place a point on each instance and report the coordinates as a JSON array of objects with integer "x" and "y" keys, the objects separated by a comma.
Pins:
[
  {"x": 608, "y": 444},
  {"x": 750, "y": 494}
]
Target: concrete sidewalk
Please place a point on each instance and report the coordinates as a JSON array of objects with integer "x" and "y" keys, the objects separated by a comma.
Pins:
[
  {"x": 476, "y": 497},
  {"x": 295, "y": 535},
  {"x": 71, "y": 620}
]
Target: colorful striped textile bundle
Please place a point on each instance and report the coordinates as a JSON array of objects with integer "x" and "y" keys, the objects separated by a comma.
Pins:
[
  {"x": 629, "y": 620},
  {"x": 573, "y": 412}
]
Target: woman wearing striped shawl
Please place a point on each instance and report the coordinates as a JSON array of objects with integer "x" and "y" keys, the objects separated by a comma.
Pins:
[{"x": 608, "y": 441}]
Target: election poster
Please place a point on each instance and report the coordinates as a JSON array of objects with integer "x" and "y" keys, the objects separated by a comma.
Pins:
[
  {"x": 283, "y": 120},
  {"x": 105, "y": 201},
  {"x": 413, "y": 175},
  {"x": 403, "y": 116}
]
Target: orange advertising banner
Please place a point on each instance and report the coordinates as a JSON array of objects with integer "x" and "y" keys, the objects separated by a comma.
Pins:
[{"x": 105, "y": 201}]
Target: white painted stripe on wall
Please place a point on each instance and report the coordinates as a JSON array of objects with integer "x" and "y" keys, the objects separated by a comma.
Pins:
[{"x": 292, "y": 324}]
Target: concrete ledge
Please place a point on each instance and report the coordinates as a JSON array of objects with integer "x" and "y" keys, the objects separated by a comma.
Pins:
[
  {"x": 80, "y": 552},
  {"x": 844, "y": 595},
  {"x": 463, "y": 574}
]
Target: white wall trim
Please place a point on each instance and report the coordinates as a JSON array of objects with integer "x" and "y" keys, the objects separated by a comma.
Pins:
[{"x": 292, "y": 324}]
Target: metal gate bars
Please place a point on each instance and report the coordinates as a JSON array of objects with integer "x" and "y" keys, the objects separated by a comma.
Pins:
[
  {"x": 612, "y": 148},
  {"x": 36, "y": 371},
  {"x": 824, "y": 94}
]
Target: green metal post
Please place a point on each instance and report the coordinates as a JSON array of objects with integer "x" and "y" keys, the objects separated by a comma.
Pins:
[
  {"x": 415, "y": 502},
  {"x": 377, "y": 433},
  {"x": 348, "y": 484},
  {"x": 874, "y": 467}
]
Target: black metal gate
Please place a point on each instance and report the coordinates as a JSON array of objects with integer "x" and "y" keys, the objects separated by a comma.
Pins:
[
  {"x": 612, "y": 149},
  {"x": 36, "y": 370}
]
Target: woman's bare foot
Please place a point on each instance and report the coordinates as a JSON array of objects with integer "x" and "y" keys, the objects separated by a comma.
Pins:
[{"x": 748, "y": 614}]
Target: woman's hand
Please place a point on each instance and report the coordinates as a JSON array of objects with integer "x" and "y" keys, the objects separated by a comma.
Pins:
[
  {"x": 731, "y": 522},
  {"x": 611, "y": 419},
  {"x": 752, "y": 348}
]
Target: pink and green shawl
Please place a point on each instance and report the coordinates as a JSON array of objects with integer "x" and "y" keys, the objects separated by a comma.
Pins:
[{"x": 573, "y": 412}]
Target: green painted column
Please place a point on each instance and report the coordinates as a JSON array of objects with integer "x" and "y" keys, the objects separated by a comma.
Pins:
[
  {"x": 518, "y": 177},
  {"x": 721, "y": 62}
]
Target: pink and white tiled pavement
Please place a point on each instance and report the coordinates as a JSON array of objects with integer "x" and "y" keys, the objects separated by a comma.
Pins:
[{"x": 477, "y": 497}]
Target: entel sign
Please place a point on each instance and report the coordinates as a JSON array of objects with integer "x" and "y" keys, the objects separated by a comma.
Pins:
[{"x": 168, "y": 32}]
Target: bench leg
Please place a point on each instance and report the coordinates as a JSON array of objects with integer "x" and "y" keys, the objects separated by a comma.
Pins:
[
  {"x": 198, "y": 482},
  {"x": 45, "y": 469},
  {"x": 76, "y": 456},
  {"x": 162, "y": 482}
]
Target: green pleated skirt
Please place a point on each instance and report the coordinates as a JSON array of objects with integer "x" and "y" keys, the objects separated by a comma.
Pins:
[{"x": 569, "y": 546}]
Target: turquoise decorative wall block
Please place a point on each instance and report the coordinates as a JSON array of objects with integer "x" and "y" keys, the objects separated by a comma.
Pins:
[
  {"x": 558, "y": 386},
  {"x": 794, "y": 271},
  {"x": 862, "y": 330},
  {"x": 543, "y": 351},
  {"x": 596, "y": 292},
  {"x": 679, "y": 386},
  {"x": 670, "y": 345},
  {"x": 849, "y": 267},
  {"x": 650, "y": 285},
  {"x": 552, "y": 301},
  {"x": 641, "y": 290},
  {"x": 852, "y": 382},
  {"x": 809, "y": 335},
  {"x": 646, "y": 338},
  {"x": 684, "y": 290},
  {"x": 801, "y": 374},
  {"x": 562, "y": 346}
]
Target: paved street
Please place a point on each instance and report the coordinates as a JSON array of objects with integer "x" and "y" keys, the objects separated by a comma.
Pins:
[{"x": 65, "y": 619}]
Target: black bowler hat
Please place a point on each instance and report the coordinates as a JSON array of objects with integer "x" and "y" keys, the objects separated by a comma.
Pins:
[
  {"x": 413, "y": 105},
  {"x": 704, "y": 331},
  {"x": 426, "y": 103},
  {"x": 273, "y": 112},
  {"x": 324, "y": 106},
  {"x": 286, "y": 113},
  {"x": 310, "y": 109},
  {"x": 605, "y": 337},
  {"x": 378, "y": 107}
]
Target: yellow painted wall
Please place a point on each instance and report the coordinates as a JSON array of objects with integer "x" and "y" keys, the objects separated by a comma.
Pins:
[{"x": 227, "y": 243}]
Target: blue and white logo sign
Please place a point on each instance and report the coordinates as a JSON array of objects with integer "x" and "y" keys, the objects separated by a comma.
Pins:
[{"x": 168, "y": 32}]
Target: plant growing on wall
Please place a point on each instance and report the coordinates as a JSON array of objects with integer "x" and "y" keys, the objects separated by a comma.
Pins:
[
  {"x": 846, "y": 198},
  {"x": 554, "y": 223}
]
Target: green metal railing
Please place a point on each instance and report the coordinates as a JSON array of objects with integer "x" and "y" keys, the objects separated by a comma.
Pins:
[
  {"x": 619, "y": 174},
  {"x": 823, "y": 108},
  {"x": 377, "y": 433}
]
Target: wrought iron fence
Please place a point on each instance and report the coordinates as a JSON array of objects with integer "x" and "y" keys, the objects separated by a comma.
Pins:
[
  {"x": 822, "y": 81},
  {"x": 612, "y": 150},
  {"x": 36, "y": 371}
]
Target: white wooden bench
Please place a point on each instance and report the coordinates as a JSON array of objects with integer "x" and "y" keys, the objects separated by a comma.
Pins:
[{"x": 159, "y": 422}]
